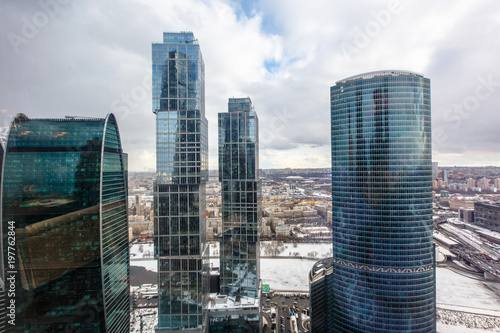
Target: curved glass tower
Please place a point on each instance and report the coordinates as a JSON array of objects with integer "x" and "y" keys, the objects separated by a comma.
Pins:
[
  {"x": 64, "y": 226},
  {"x": 383, "y": 258}
]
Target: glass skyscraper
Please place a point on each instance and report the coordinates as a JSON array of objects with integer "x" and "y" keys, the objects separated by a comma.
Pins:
[
  {"x": 241, "y": 220},
  {"x": 383, "y": 256},
  {"x": 181, "y": 175},
  {"x": 64, "y": 226},
  {"x": 320, "y": 281}
]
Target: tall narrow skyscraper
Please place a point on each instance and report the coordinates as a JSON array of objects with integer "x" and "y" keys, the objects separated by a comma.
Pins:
[
  {"x": 383, "y": 255},
  {"x": 237, "y": 308},
  {"x": 64, "y": 226},
  {"x": 181, "y": 175}
]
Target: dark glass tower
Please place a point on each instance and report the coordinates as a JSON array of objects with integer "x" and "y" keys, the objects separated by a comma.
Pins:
[
  {"x": 182, "y": 172},
  {"x": 64, "y": 197},
  {"x": 241, "y": 199},
  {"x": 383, "y": 257},
  {"x": 320, "y": 281},
  {"x": 241, "y": 219}
]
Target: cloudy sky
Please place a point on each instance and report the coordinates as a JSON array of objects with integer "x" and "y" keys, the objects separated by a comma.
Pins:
[{"x": 89, "y": 58}]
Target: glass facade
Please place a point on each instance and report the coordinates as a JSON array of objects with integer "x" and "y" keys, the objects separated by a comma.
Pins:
[
  {"x": 64, "y": 198},
  {"x": 181, "y": 175},
  {"x": 383, "y": 258},
  {"x": 241, "y": 199},
  {"x": 241, "y": 219},
  {"x": 320, "y": 281}
]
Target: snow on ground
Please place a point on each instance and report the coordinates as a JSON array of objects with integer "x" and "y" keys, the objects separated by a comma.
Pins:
[
  {"x": 458, "y": 292},
  {"x": 322, "y": 250},
  {"x": 442, "y": 328},
  {"x": 454, "y": 291},
  {"x": 149, "y": 264},
  {"x": 141, "y": 254},
  {"x": 141, "y": 251},
  {"x": 286, "y": 274},
  {"x": 149, "y": 318}
]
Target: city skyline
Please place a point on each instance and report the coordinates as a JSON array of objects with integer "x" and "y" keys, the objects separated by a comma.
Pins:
[{"x": 284, "y": 55}]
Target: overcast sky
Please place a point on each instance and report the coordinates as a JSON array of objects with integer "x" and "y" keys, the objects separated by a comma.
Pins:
[{"x": 89, "y": 58}]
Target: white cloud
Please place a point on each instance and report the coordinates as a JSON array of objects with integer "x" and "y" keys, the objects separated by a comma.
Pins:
[{"x": 93, "y": 57}]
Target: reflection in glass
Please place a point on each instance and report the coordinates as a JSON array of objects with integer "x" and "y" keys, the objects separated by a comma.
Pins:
[
  {"x": 71, "y": 232},
  {"x": 383, "y": 262}
]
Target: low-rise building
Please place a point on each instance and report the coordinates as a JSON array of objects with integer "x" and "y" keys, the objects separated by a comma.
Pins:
[
  {"x": 282, "y": 230},
  {"x": 456, "y": 204},
  {"x": 466, "y": 214},
  {"x": 487, "y": 214}
]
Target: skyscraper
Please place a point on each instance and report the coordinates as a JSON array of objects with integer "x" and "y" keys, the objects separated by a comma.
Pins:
[
  {"x": 241, "y": 220},
  {"x": 320, "y": 281},
  {"x": 181, "y": 175},
  {"x": 64, "y": 197},
  {"x": 383, "y": 258},
  {"x": 434, "y": 170}
]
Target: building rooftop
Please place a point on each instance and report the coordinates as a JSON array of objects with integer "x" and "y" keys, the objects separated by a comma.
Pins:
[{"x": 371, "y": 75}]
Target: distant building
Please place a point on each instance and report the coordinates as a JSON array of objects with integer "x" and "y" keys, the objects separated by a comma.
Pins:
[
  {"x": 282, "y": 231},
  {"x": 484, "y": 184},
  {"x": 266, "y": 231},
  {"x": 456, "y": 204},
  {"x": 323, "y": 209},
  {"x": 471, "y": 183},
  {"x": 445, "y": 175},
  {"x": 497, "y": 183},
  {"x": 466, "y": 214},
  {"x": 443, "y": 183},
  {"x": 487, "y": 215},
  {"x": 146, "y": 235},
  {"x": 435, "y": 170},
  {"x": 445, "y": 194},
  {"x": 210, "y": 234},
  {"x": 64, "y": 191},
  {"x": 320, "y": 281}
]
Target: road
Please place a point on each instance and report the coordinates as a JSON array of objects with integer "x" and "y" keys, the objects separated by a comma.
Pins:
[{"x": 282, "y": 303}]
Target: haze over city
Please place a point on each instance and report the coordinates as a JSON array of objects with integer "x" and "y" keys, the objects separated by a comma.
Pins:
[{"x": 91, "y": 58}]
